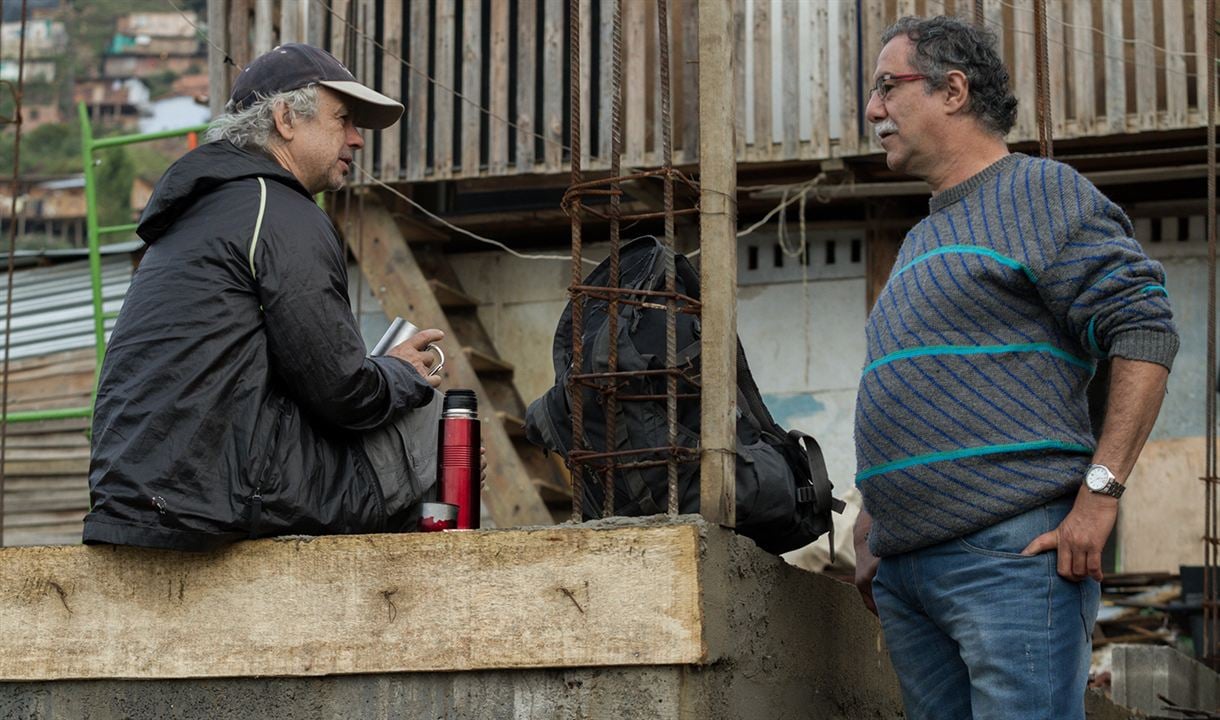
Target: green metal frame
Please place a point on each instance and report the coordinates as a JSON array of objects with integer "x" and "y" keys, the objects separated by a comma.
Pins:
[{"x": 88, "y": 147}]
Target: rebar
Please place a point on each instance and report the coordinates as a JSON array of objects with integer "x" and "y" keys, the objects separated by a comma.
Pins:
[
  {"x": 616, "y": 151},
  {"x": 1046, "y": 144},
  {"x": 575, "y": 396},
  {"x": 610, "y": 385},
  {"x": 671, "y": 332}
]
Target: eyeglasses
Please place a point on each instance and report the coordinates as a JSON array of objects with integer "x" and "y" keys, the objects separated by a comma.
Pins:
[{"x": 887, "y": 82}]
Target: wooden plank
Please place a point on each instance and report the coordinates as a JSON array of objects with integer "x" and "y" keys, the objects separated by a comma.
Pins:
[
  {"x": 313, "y": 16},
  {"x": 907, "y": 8},
  {"x": 1200, "y": 24},
  {"x": 392, "y": 33},
  {"x": 993, "y": 19},
  {"x": 269, "y": 607},
  {"x": 763, "y": 135},
  {"x": 790, "y": 77},
  {"x": 239, "y": 33},
  {"x": 527, "y": 21},
  {"x": 687, "y": 101},
  {"x": 850, "y": 71},
  {"x": 1116, "y": 70},
  {"x": 218, "y": 73},
  {"x": 472, "y": 79},
  {"x": 1057, "y": 61},
  {"x": 605, "y": 97},
  {"x": 874, "y": 26},
  {"x": 290, "y": 22},
  {"x": 1175, "y": 63},
  {"x": 450, "y": 297},
  {"x": 1024, "y": 65},
  {"x": 442, "y": 120},
  {"x": 819, "y": 81},
  {"x": 1081, "y": 58},
  {"x": 742, "y": 66},
  {"x": 586, "y": 83},
  {"x": 390, "y": 267},
  {"x": 416, "y": 131},
  {"x": 1145, "y": 66},
  {"x": 718, "y": 266},
  {"x": 262, "y": 27},
  {"x": 634, "y": 67},
  {"x": 339, "y": 29},
  {"x": 652, "y": 86},
  {"x": 497, "y": 120},
  {"x": 552, "y": 84}
]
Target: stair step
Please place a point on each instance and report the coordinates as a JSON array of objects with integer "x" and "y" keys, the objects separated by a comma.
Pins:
[
  {"x": 513, "y": 425},
  {"x": 450, "y": 297},
  {"x": 484, "y": 363}
]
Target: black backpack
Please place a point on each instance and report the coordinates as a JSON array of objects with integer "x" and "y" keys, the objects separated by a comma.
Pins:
[{"x": 783, "y": 498}]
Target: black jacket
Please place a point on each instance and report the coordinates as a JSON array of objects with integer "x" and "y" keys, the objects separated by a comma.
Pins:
[{"x": 236, "y": 382}]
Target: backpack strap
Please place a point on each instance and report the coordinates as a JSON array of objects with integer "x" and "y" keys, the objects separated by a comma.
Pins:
[{"x": 818, "y": 491}]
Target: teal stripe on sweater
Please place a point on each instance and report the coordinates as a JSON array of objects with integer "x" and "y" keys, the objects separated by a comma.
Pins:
[
  {"x": 972, "y": 250},
  {"x": 969, "y": 452},
  {"x": 977, "y": 350}
]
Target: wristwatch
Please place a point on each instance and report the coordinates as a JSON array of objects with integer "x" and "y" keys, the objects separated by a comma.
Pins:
[{"x": 1100, "y": 480}]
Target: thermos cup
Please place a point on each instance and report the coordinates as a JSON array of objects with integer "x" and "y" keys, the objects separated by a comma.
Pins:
[
  {"x": 400, "y": 331},
  {"x": 457, "y": 456}
]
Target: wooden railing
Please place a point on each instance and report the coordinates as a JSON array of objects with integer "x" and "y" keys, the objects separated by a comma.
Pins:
[{"x": 485, "y": 82}]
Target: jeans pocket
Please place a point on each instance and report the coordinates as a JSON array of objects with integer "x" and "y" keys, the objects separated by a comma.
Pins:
[{"x": 1007, "y": 538}]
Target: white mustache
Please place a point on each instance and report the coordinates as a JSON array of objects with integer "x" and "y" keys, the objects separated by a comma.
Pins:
[{"x": 885, "y": 126}]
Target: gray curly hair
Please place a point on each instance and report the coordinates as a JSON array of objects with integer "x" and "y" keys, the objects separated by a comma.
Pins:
[
  {"x": 945, "y": 43},
  {"x": 253, "y": 127}
]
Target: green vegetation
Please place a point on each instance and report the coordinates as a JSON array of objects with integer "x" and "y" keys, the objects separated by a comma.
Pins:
[{"x": 115, "y": 173}]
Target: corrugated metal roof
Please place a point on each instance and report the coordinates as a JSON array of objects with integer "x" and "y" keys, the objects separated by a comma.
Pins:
[{"x": 52, "y": 308}]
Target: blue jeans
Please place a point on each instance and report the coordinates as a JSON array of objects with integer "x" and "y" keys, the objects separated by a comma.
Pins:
[{"x": 975, "y": 630}]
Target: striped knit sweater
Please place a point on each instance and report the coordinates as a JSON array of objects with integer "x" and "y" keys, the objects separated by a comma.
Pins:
[{"x": 972, "y": 403}]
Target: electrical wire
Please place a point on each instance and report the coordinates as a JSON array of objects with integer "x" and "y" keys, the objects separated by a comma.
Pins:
[{"x": 460, "y": 230}]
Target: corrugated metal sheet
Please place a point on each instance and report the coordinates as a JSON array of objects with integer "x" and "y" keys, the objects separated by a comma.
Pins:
[
  {"x": 46, "y": 464},
  {"x": 53, "y": 306}
]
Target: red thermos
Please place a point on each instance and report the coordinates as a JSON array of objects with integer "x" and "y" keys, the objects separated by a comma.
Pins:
[{"x": 457, "y": 466}]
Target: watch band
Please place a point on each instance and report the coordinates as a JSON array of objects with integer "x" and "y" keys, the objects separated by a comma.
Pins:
[{"x": 1113, "y": 487}]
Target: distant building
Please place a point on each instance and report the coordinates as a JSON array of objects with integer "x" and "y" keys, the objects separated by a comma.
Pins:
[
  {"x": 151, "y": 43},
  {"x": 117, "y": 102},
  {"x": 36, "y": 69},
  {"x": 54, "y": 208},
  {"x": 44, "y": 38}
]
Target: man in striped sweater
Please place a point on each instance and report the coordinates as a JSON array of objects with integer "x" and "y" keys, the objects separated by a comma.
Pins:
[{"x": 987, "y": 498}]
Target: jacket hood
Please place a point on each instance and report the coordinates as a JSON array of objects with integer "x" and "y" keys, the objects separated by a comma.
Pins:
[{"x": 198, "y": 173}]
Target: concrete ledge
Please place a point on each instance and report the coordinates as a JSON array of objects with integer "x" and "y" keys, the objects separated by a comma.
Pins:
[
  {"x": 1142, "y": 672},
  {"x": 703, "y": 623}
]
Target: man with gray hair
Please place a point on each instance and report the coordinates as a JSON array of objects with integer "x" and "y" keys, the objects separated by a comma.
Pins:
[
  {"x": 987, "y": 497},
  {"x": 236, "y": 399}
]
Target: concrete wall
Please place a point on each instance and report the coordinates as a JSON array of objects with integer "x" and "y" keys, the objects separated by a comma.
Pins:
[{"x": 802, "y": 326}]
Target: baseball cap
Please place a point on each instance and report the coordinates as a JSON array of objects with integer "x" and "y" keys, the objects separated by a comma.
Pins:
[{"x": 295, "y": 65}]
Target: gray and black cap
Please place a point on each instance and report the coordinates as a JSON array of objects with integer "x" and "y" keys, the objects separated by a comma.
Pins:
[{"x": 293, "y": 66}]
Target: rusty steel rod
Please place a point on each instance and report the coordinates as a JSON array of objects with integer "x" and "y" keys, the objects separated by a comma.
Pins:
[
  {"x": 578, "y": 298},
  {"x": 671, "y": 321},
  {"x": 616, "y": 151}
]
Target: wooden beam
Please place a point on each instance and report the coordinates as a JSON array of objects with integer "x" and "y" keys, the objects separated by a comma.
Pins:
[
  {"x": 718, "y": 267},
  {"x": 400, "y": 285},
  {"x": 472, "y": 86},
  {"x": 218, "y": 74},
  {"x": 356, "y": 604},
  {"x": 391, "y": 84}
]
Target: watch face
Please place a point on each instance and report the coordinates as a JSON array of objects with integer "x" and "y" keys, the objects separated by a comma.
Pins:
[{"x": 1097, "y": 478}]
